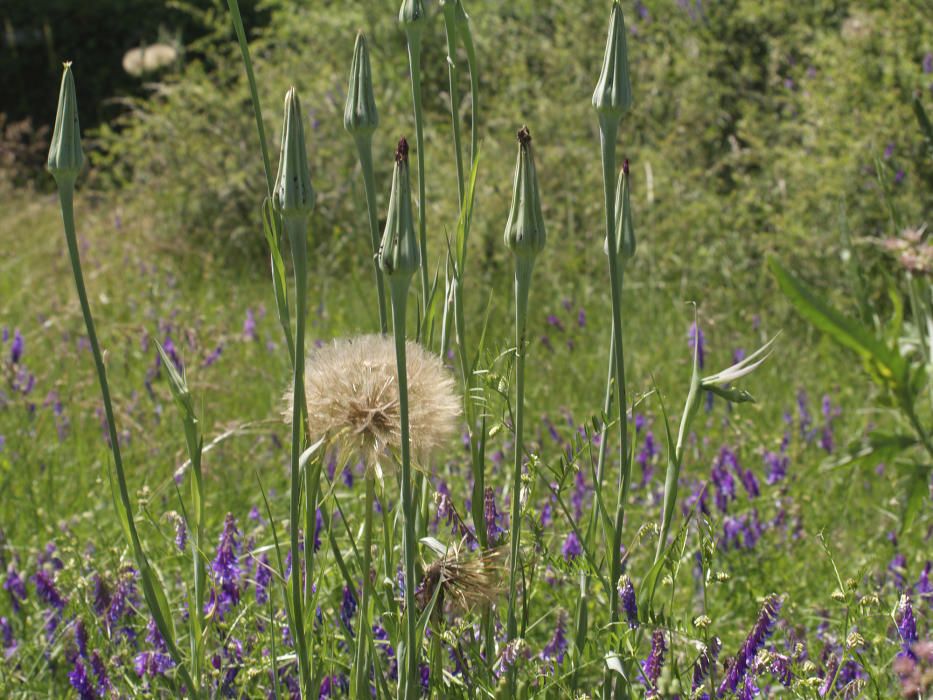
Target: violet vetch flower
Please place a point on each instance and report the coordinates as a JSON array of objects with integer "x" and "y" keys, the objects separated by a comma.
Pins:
[
  {"x": 81, "y": 683},
  {"x": 66, "y": 157},
  {"x": 556, "y": 648},
  {"x": 181, "y": 533},
  {"x": 348, "y": 607},
  {"x": 17, "y": 347},
  {"x": 651, "y": 667},
  {"x": 777, "y": 467},
  {"x": 907, "y": 627},
  {"x": 155, "y": 662},
  {"x": 764, "y": 625},
  {"x": 629, "y": 601},
  {"x": 924, "y": 588},
  {"x": 263, "y": 579},
  {"x": 15, "y": 586},
  {"x": 6, "y": 638},
  {"x": 491, "y": 516},
  {"x": 46, "y": 590},
  {"x": 781, "y": 669},
  {"x": 80, "y": 638},
  {"x": 705, "y": 661},
  {"x": 103, "y": 680},
  {"x": 572, "y": 547},
  {"x": 226, "y": 570}
]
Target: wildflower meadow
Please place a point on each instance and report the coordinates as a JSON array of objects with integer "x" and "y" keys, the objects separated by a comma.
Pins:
[{"x": 470, "y": 349}]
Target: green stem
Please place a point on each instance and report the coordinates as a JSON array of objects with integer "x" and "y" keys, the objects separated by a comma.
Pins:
[
  {"x": 66, "y": 198},
  {"x": 312, "y": 474},
  {"x": 364, "y": 146},
  {"x": 295, "y": 229},
  {"x": 453, "y": 75},
  {"x": 399, "y": 292},
  {"x": 361, "y": 664},
  {"x": 414, "y": 61},
  {"x": 474, "y": 93},
  {"x": 608, "y": 130},
  {"x": 523, "y": 268}
]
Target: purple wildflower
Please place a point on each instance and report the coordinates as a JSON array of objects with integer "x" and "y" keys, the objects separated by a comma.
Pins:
[
  {"x": 781, "y": 669},
  {"x": 804, "y": 416},
  {"x": 928, "y": 62},
  {"x": 181, "y": 533},
  {"x": 651, "y": 667},
  {"x": 226, "y": 570},
  {"x": 897, "y": 568},
  {"x": 101, "y": 596},
  {"x": 46, "y": 590},
  {"x": 6, "y": 635},
  {"x": 552, "y": 320},
  {"x": 80, "y": 638},
  {"x": 491, "y": 516},
  {"x": 572, "y": 547},
  {"x": 103, "y": 681},
  {"x": 448, "y": 511},
  {"x": 629, "y": 602},
  {"x": 263, "y": 579},
  {"x": 579, "y": 494},
  {"x": 705, "y": 661},
  {"x": 157, "y": 661},
  {"x": 17, "y": 347},
  {"x": 213, "y": 356},
  {"x": 923, "y": 588},
  {"x": 907, "y": 627},
  {"x": 14, "y": 585},
  {"x": 556, "y": 648},
  {"x": 764, "y": 625},
  {"x": 348, "y": 609},
  {"x": 124, "y": 598},
  {"x": 249, "y": 326},
  {"x": 581, "y": 318},
  {"x": 777, "y": 467},
  {"x": 749, "y": 689},
  {"x": 81, "y": 683}
]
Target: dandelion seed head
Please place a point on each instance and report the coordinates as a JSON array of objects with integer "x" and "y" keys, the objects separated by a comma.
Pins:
[{"x": 351, "y": 390}]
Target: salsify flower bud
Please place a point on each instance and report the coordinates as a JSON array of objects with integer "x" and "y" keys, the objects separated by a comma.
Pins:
[
  {"x": 293, "y": 194},
  {"x": 65, "y": 155},
  {"x": 412, "y": 13},
  {"x": 613, "y": 94},
  {"x": 525, "y": 234},
  {"x": 399, "y": 255},
  {"x": 625, "y": 230},
  {"x": 359, "y": 115}
]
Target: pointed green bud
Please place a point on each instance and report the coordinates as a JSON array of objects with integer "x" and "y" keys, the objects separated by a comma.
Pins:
[
  {"x": 65, "y": 155},
  {"x": 398, "y": 254},
  {"x": 412, "y": 14},
  {"x": 625, "y": 230},
  {"x": 293, "y": 195},
  {"x": 359, "y": 115},
  {"x": 524, "y": 232},
  {"x": 613, "y": 94}
]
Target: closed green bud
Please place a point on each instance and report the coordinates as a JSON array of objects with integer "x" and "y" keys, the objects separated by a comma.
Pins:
[
  {"x": 525, "y": 234},
  {"x": 359, "y": 115},
  {"x": 398, "y": 254},
  {"x": 625, "y": 230},
  {"x": 412, "y": 14},
  {"x": 293, "y": 195},
  {"x": 65, "y": 155},
  {"x": 613, "y": 94}
]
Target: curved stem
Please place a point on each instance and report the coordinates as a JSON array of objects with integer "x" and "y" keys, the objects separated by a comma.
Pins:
[
  {"x": 364, "y": 146},
  {"x": 399, "y": 292},
  {"x": 66, "y": 199}
]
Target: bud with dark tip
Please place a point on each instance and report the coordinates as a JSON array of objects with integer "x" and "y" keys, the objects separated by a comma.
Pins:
[
  {"x": 399, "y": 256},
  {"x": 412, "y": 14},
  {"x": 525, "y": 234},
  {"x": 65, "y": 155},
  {"x": 613, "y": 94},
  {"x": 293, "y": 195},
  {"x": 359, "y": 115},
  {"x": 625, "y": 230}
]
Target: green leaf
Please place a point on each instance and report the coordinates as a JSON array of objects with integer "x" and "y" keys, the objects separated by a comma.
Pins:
[
  {"x": 884, "y": 362},
  {"x": 917, "y": 494},
  {"x": 614, "y": 663}
]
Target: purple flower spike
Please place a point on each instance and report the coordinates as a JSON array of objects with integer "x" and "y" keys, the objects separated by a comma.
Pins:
[
  {"x": 572, "y": 547},
  {"x": 907, "y": 627},
  {"x": 17, "y": 347},
  {"x": 226, "y": 569},
  {"x": 491, "y": 515},
  {"x": 764, "y": 625},
  {"x": 14, "y": 585},
  {"x": 703, "y": 664},
  {"x": 263, "y": 579},
  {"x": 651, "y": 667},
  {"x": 556, "y": 649},
  {"x": 46, "y": 590},
  {"x": 629, "y": 603},
  {"x": 81, "y": 683}
]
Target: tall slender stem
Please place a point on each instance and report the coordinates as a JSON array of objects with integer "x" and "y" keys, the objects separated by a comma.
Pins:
[
  {"x": 361, "y": 664},
  {"x": 66, "y": 198},
  {"x": 608, "y": 130},
  {"x": 295, "y": 229},
  {"x": 453, "y": 75},
  {"x": 364, "y": 146},
  {"x": 414, "y": 61},
  {"x": 399, "y": 291},
  {"x": 523, "y": 268}
]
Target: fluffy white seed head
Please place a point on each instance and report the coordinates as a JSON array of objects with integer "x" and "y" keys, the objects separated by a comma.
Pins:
[{"x": 351, "y": 390}]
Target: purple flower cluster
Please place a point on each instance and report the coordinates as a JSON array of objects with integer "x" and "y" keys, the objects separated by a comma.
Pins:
[
  {"x": 629, "y": 602},
  {"x": 225, "y": 594},
  {"x": 651, "y": 666},
  {"x": 744, "y": 659}
]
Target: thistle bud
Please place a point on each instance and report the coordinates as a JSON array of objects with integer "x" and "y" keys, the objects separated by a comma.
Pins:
[
  {"x": 613, "y": 94},
  {"x": 412, "y": 14},
  {"x": 65, "y": 155},
  {"x": 524, "y": 232},
  {"x": 625, "y": 231},
  {"x": 398, "y": 254},
  {"x": 359, "y": 115},
  {"x": 293, "y": 194}
]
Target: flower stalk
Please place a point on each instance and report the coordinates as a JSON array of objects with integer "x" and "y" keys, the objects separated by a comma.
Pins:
[{"x": 65, "y": 161}]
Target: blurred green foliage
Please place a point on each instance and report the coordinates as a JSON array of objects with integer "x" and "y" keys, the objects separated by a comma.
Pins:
[{"x": 755, "y": 130}]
